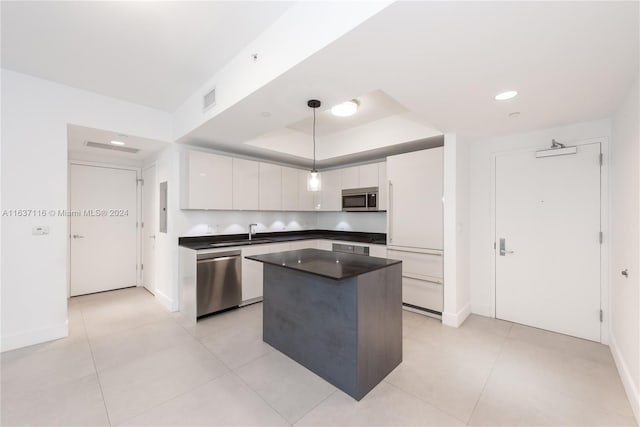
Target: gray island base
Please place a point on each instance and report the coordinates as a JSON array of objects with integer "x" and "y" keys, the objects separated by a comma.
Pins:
[{"x": 339, "y": 315}]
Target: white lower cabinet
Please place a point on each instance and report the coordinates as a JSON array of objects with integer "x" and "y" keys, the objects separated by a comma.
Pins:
[
  {"x": 422, "y": 277},
  {"x": 379, "y": 251},
  {"x": 325, "y": 245},
  {"x": 252, "y": 271},
  {"x": 303, "y": 244}
]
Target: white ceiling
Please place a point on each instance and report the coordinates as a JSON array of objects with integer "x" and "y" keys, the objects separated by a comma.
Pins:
[
  {"x": 150, "y": 53},
  {"x": 445, "y": 62},
  {"x": 77, "y": 137},
  {"x": 431, "y": 67},
  {"x": 372, "y": 106}
]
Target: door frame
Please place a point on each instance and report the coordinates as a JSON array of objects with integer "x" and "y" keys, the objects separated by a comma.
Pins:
[
  {"x": 604, "y": 226},
  {"x": 141, "y": 214},
  {"x": 138, "y": 172}
]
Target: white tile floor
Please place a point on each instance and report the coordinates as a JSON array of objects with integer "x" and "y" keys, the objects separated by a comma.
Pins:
[{"x": 128, "y": 362}]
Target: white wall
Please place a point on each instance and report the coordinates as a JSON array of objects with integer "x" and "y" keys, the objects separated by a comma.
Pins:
[
  {"x": 625, "y": 245},
  {"x": 480, "y": 171},
  {"x": 35, "y": 114},
  {"x": 456, "y": 214},
  {"x": 463, "y": 287}
]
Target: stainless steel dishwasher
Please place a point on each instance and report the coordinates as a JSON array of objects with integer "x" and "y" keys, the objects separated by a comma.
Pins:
[{"x": 218, "y": 282}]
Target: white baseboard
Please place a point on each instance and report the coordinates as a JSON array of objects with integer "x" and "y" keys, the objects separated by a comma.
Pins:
[
  {"x": 627, "y": 381},
  {"x": 36, "y": 336},
  {"x": 456, "y": 319},
  {"x": 166, "y": 302}
]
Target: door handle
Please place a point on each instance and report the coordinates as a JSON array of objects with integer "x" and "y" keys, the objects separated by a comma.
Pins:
[
  {"x": 77, "y": 236},
  {"x": 153, "y": 236},
  {"x": 503, "y": 250}
]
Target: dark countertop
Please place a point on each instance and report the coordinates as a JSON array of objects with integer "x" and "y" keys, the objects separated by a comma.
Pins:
[
  {"x": 225, "y": 240},
  {"x": 332, "y": 265}
]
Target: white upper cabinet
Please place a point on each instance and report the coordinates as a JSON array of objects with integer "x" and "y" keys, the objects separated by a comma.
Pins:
[
  {"x": 360, "y": 176},
  {"x": 306, "y": 198},
  {"x": 383, "y": 186},
  {"x": 270, "y": 187},
  {"x": 246, "y": 184},
  {"x": 368, "y": 175},
  {"x": 290, "y": 189},
  {"x": 207, "y": 181},
  {"x": 351, "y": 177},
  {"x": 331, "y": 194},
  {"x": 415, "y": 211}
]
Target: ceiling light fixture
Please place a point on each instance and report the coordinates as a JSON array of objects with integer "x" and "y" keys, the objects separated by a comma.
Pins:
[
  {"x": 313, "y": 180},
  {"x": 506, "y": 95},
  {"x": 117, "y": 142},
  {"x": 345, "y": 109}
]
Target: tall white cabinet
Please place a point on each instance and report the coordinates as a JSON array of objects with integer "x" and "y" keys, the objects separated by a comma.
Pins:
[
  {"x": 415, "y": 211},
  {"x": 415, "y": 225}
]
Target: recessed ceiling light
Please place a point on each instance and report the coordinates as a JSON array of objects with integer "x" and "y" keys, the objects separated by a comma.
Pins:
[
  {"x": 117, "y": 142},
  {"x": 345, "y": 109},
  {"x": 506, "y": 95}
]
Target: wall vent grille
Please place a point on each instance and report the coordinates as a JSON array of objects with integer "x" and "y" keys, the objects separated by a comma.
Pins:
[
  {"x": 209, "y": 99},
  {"x": 111, "y": 147}
]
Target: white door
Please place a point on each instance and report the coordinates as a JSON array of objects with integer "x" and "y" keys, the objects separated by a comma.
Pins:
[
  {"x": 102, "y": 229},
  {"x": 150, "y": 212},
  {"x": 548, "y": 213}
]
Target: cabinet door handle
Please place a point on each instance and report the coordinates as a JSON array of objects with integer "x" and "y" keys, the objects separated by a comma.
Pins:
[{"x": 390, "y": 213}]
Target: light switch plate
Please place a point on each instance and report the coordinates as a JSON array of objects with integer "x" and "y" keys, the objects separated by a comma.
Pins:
[{"x": 40, "y": 230}]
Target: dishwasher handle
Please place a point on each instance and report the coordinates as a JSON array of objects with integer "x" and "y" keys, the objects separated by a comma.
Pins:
[
  {"x": 222, "y": 258},
  {"x": 218, "y": 256}
]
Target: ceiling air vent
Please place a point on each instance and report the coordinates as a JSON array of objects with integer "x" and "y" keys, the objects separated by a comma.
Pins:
[
  {"x": 111, "y": 147},
  {"x": 209, "y": 99}
]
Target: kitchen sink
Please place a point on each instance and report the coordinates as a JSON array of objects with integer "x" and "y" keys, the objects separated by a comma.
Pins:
[{"x": 239, "y": 243}]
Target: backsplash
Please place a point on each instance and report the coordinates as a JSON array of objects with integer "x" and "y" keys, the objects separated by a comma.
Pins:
[
  {"x": 371, "y": 222},
  {"x": 199, "y": 223}
]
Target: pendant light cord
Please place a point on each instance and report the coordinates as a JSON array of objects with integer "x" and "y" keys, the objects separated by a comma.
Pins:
[{"x": 314, "y": 140}]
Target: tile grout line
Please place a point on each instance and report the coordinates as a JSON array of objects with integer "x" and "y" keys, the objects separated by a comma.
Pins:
[
  {"x": 171, "y": 398},
  {"x": 315, "y": 406},
  {"x": 486, "y": 381},
  {"x": 232, "y": 371},
  {"x": 259, "y": 395},
  {"x": 104, "y": 402},
  {"x": 415, "y": 396}
]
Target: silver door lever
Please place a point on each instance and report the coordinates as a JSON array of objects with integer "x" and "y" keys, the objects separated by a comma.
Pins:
[
  {"x": 77, "y": 236},
  {"x": 503, "y": 250}
]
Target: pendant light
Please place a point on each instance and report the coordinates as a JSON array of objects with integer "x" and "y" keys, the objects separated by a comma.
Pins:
[{"x": 313, "y": 180}]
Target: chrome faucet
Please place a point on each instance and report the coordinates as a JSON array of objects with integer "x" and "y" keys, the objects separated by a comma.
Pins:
[{"x": 252, "y": 230}]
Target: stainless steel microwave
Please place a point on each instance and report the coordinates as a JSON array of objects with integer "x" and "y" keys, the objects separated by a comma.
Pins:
[{"x": 360, "y": 199}]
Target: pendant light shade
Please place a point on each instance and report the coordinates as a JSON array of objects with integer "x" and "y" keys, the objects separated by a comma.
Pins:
[{"x": 314, "y": 183}]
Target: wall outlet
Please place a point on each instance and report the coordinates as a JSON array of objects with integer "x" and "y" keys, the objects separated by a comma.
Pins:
[{"x": 40, "y": 230}]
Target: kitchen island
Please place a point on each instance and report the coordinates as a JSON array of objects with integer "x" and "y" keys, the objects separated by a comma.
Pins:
[{"x": 337, "y": 314}]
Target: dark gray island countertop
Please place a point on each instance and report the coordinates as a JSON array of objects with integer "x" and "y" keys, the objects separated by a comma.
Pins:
[{"x": 332, "y": 265}]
